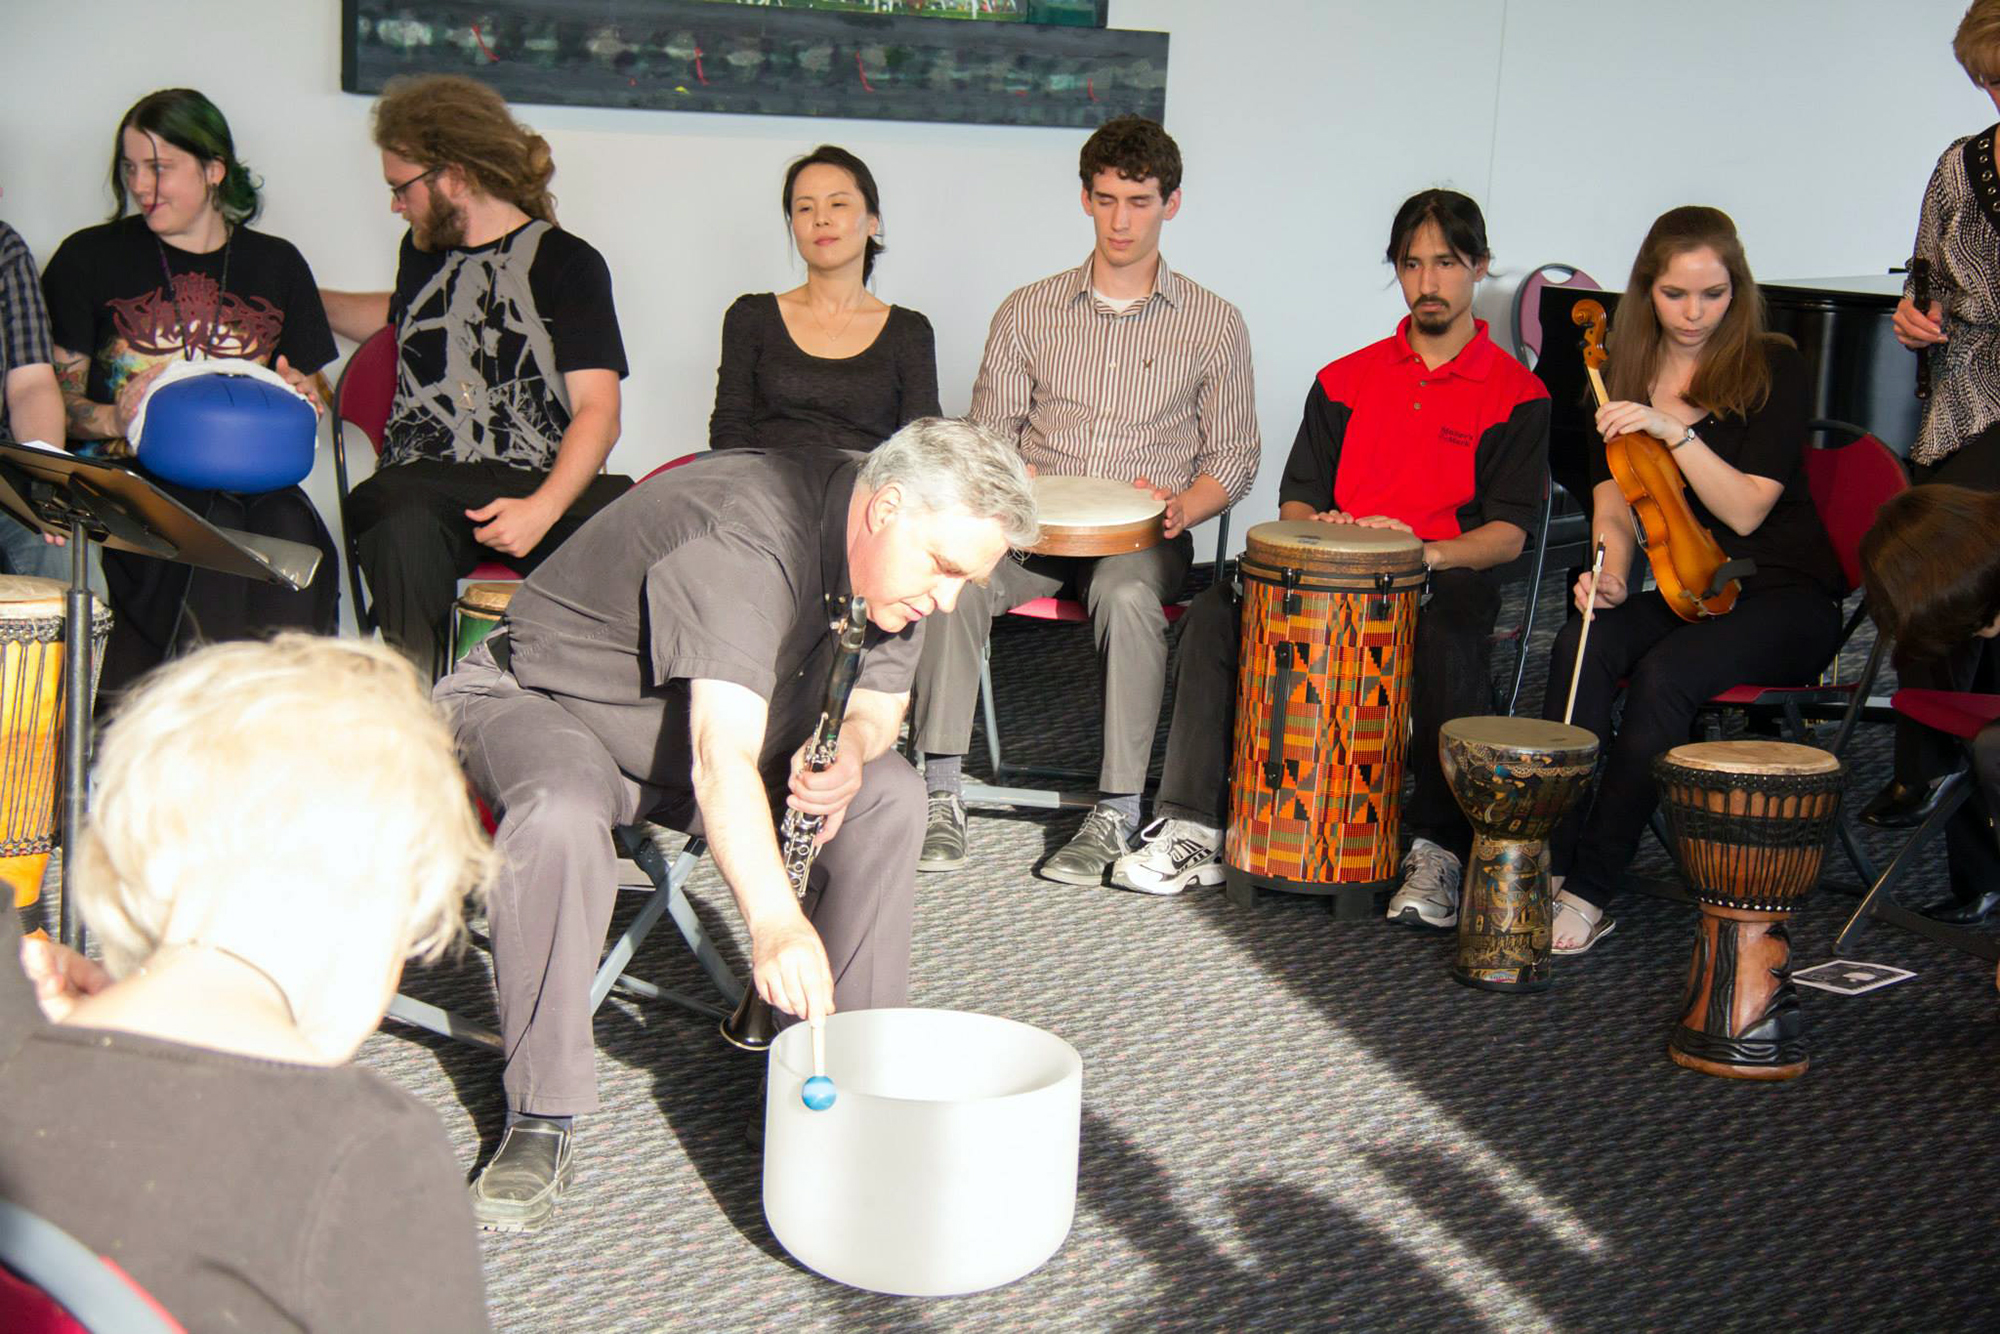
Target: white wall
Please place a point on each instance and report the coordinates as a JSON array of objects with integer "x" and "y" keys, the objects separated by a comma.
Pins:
[{"x": 1303, "y": 122}]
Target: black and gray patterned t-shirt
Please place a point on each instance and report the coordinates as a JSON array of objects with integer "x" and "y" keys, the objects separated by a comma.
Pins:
[{"x": 486, "y": 334}]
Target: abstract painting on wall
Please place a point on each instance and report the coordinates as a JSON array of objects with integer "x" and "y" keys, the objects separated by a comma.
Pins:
[{"x": 1017, "y": 62}]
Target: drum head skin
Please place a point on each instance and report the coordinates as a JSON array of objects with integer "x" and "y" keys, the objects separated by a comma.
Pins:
[
  {"x": 1523, "y": 734},
  {"x": 26, "y": 597},
  {"x": 1282, "y": 535},
  {"x": 489, "y": 597},
  {"x": 1095, "y": 516},
  {"x": 1752, "y": 757}
]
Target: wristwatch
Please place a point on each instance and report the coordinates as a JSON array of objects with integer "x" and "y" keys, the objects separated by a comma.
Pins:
[{"x": 1686, "y": 436}]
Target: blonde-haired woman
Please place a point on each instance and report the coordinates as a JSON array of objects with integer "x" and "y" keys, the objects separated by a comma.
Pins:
[{"x": 277, "y": 827}]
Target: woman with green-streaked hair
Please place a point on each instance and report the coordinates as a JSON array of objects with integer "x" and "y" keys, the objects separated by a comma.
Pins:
[{"x": 178, "y": 274}]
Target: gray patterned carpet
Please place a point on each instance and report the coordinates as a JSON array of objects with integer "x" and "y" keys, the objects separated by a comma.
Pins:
[{"x": 1293, "y": 1122}]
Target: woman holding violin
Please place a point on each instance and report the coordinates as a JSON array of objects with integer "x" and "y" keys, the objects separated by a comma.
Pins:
[{"x": 1695, "y": 376}]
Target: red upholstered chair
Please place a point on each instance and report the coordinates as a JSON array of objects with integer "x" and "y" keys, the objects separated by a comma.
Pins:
[
  {"x": 1957, "y": 715},
  {"x": 1850, "y": 480},
  {"x": 666, "y": 872},
  {"x": 51, "y": 1283},
  {"x": 362, "y": 397}
]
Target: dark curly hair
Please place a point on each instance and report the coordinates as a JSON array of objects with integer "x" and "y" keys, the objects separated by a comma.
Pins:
[
  {"x": 1135, "y": 148},
  {"x": 193, "y": 124},
  {"x": 448, "y": 120}
]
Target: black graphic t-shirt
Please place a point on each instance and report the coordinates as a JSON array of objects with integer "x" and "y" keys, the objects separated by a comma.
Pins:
[
  {"x": 109, "y": 299},
  {"x": 487, "y": 333}
]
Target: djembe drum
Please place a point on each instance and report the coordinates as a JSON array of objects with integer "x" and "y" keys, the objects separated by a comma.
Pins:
[
  {"x": 1322, "y": 711},
  {"x": 477, "y": 612},
  {"x": 1750, "y": 821},
  {"x": 1514, "y": 778},
  {"x": 1095, "y": 516},
  {"x": 32, "y": 621}
]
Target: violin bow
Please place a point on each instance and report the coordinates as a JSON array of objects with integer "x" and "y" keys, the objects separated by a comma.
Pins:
[{"x": 1589, "y": 615}]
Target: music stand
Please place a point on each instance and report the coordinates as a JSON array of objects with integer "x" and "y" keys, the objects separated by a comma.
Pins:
[{"x": 89, "y": 500}]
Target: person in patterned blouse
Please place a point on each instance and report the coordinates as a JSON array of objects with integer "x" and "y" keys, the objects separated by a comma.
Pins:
[{"x": 1958, "y": 233}]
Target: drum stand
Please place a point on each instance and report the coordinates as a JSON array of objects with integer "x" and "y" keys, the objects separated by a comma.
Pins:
[{"x": 92, "y": 501}]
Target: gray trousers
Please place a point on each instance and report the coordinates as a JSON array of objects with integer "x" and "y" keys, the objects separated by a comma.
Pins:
[
  {"x": 1123, "y": 595},
  {"x": 557, "y": 793}
]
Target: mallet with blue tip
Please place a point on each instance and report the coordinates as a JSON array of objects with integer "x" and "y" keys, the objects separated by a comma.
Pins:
[{"x": 819, "y": 1091}]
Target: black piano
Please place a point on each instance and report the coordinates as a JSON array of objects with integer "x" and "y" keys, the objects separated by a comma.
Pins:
[{"x": 1861, "y": 374}]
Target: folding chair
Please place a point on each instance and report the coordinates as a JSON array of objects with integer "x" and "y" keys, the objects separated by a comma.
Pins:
[
  {"x": 362, "y": 397},
  {"x": 51, "y": 1283},
  {"x": 647, "y": 846},
  {"x": 1532, "y": 563},
  {"x": 1524, "y": 324},
  {"x": 1069, "y": 611},
  {"x": 1957, "y": 715}
]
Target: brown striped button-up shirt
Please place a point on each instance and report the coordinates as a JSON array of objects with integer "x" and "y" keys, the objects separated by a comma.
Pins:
[{"x": 1161, "y": 391}]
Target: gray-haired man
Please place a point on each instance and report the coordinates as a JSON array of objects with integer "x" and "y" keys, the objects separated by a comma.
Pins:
[{"x": 669, "y": 662}]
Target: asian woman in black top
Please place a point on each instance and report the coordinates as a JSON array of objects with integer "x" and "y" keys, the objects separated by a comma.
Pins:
[
  {"x": 1692, "y": 366},
  {"x": 825, "y": 363}
]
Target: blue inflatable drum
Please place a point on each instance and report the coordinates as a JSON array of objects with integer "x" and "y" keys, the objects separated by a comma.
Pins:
[{"x": 228, "y": 433}]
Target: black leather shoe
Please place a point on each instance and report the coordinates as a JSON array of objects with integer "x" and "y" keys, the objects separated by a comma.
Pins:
[
  {"x": 944, "y": 834},
  {"x": 518, "y": 1190},
  {"x": 1900, "y": 806},
  {"x": 1969, "y": 912}
]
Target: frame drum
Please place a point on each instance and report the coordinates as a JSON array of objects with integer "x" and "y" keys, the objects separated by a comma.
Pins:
[
  {"x": 1322, "y": 711},
  {"x": 1094, "y": 516}
]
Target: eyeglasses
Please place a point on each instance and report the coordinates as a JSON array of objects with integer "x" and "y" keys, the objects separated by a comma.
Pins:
[{"x": 396, "y": 191}]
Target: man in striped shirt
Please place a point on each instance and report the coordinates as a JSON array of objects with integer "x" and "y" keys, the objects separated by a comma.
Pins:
[{"x": 1120, "y": 369}]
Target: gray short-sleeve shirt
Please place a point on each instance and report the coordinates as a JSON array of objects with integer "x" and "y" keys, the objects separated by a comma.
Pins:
[{"x": 727, "y": 568}]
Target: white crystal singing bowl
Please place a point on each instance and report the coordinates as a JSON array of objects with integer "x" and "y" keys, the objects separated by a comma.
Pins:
[{"x": 947, "y": 1162}]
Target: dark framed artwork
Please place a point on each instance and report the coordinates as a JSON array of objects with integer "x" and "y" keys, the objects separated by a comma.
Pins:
[{"x": 1049, "y": 63}]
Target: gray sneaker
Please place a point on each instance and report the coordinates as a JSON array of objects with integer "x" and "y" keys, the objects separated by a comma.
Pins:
[
  {"x": 944, "y": 834},
  {"x": 1429, "y": 895},
  {"x": 518, "y": 1190},
  {"x": 1084, "y": 859}
]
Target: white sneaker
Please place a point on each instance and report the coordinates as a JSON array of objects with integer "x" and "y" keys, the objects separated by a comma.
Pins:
[
  {"x": 1429, "y": 896},
  {"x": 1170, "y": 854}
]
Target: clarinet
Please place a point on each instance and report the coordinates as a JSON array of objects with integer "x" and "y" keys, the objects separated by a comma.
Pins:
[
  {"x": 1920, "y": 295},
  {"x": 751, "y": 1026}
]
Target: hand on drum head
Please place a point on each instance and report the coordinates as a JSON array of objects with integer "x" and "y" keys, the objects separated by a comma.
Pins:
[
  {"x": 302, "y": 382},
  {"x": 789, "y": 968},
  {"x": 826, "y": 792},
  {"x": 1333, "y": 516},
  {"x": 1611, "y": 590},
  {"x": 1175, "y": 519},
  {"x": 133, "y": 391},
  {"x": 61, "y": 977},
  {"x": 1384, "y": 521}
]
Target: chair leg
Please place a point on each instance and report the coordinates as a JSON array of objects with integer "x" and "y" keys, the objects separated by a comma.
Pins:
[
  {"x": 1880, "y": 901},
  {"x": 991, "y": 716},
  {"x": 444, "y": 1023},
  {"x": 669, "y": 898}
]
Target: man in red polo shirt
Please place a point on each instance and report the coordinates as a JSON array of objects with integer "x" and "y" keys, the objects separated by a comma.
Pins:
[{"x": 1434, "y": 431}]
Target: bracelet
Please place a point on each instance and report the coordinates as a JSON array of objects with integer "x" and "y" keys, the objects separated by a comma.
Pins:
[{"x": 1685, "y": 437}]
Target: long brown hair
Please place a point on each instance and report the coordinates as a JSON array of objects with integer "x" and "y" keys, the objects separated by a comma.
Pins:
[
  {"x": 1733, "y": 376},
  {"x": 1931, "y": 569},
  {"x": 447, "y": 120}
]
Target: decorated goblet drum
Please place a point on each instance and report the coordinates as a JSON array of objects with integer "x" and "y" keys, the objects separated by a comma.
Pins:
[
  {"x": 1514, "y": 778},
  {"x": 1750, "y": 821}
]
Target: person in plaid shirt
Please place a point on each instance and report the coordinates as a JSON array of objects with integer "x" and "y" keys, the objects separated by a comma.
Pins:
[{"x": 31, "y": 405}]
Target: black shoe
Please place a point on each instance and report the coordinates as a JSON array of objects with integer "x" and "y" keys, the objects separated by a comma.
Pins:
[
  {"x": 944, "y": 834},
  {"x": 1967, "y": 912},
  {"x": 519, "y": 1188},
  {"x": 1900, "y": 806}
]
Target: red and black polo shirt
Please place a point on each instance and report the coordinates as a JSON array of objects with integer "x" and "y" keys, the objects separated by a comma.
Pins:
[{"x": 1443, "y": 450}]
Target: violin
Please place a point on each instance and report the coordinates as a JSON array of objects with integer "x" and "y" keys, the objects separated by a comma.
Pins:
[{"x": 1696, "y": 577}]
